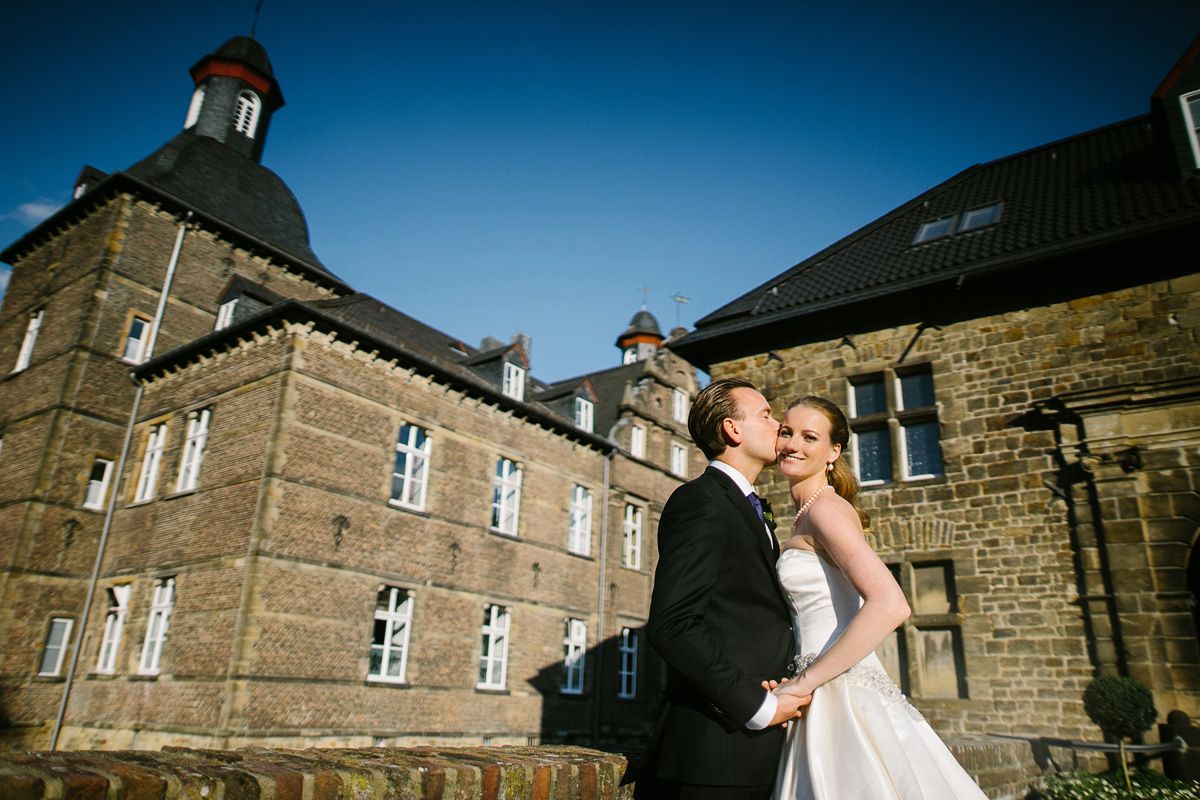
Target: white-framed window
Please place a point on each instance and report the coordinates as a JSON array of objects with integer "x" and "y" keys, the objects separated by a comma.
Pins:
[
  {"x": 193, "y": 112},
  {"x": 114, "y": 626},
  {"x": 574, "y": 656},
  {"x": 493, "y": 648},
  {"x": 147, "y": 484},
  {"x": 193, "y": 450},
  {"x": 629, "y": 355},
  {"x": 389, "y": 641},
  {"x": 58, "y": 638},
  {"x": 1190, "y": 103},
  {"x": 156, "y": 627},
  {"x": 579, "y": 533},
  {"x": 506, "y": 497},
  {"x": 514, "y": 381},
  {"x": 679, "y": 405},
  {"x": 410, "y": 473},
  {"x": 97, "y": 485},
  {"x": 31, "y": 333},
  {"x": 225, "y": 314},
  {"x": 585, "y": 413},
  {"x": 679, "y": 459},
  {"x": 637, "y": 441},
  {"x": 631, "y": 529},
  {"x": 135, "y": 340},
  {"x": 245, "y": 114},
  {"x": 628, "y": 667},
  {"x": 894, "y": 432}
]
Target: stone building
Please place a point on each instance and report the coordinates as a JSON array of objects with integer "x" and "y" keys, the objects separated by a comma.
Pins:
[
  {"x": 1016, "y": 349},
  {"x": 309, "y": 518}
]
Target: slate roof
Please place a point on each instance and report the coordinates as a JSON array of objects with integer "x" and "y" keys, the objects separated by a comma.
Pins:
[
  {"x": 232, "y": 188},
  {"x": 378, "y": 318},
  {"x": 1107, "y": 184}
]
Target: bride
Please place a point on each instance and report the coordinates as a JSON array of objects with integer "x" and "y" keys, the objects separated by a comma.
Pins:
[{"x": 859, "y": 739}]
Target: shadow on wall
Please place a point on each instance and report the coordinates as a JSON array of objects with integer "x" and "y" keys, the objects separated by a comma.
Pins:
[{"x": 606, "y": 697}]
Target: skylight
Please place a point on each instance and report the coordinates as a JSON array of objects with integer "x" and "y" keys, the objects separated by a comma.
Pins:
[{"x": 958, "y": 223}]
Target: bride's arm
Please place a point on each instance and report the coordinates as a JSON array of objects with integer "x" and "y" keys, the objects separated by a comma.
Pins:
[{"x": 836, "y": 530}]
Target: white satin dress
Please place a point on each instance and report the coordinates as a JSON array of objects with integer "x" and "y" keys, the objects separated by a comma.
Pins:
[{"x": 859, "y": 739}]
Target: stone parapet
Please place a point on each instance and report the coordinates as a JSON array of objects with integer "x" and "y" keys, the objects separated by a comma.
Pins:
[{"x": 511, "y": 773}]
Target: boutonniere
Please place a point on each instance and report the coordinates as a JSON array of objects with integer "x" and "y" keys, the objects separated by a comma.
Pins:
[{"x": 768, "y": 514}]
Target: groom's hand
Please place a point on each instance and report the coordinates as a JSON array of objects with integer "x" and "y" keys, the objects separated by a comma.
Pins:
[{"x": 789, "y": 706}]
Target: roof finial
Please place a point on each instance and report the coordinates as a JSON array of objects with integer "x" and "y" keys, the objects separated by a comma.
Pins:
[
  {"x": 254, "y": 24},
  {"x": 645, "y": 290}
]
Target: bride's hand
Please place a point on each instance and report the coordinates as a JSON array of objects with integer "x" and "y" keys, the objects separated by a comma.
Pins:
[{"x": 795, "y": 687}]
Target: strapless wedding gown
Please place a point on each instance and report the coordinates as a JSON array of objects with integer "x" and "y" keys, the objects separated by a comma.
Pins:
[{"x": 859, "y": 739}]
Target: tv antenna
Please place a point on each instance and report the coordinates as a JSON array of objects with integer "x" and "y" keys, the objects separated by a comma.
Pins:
[{"x": 680, "y": 302}]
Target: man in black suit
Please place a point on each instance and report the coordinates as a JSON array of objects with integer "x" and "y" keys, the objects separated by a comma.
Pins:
[{"x": 718, "y": 617}]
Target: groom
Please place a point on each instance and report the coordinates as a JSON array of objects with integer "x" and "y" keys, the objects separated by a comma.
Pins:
[{"x": 719, "y": 617}]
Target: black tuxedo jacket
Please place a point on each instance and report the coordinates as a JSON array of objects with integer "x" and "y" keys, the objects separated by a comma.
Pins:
[{"x": 720, "y": 620}]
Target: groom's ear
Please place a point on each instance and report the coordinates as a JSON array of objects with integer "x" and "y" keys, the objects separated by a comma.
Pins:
[{"x": 731, "y": 431}]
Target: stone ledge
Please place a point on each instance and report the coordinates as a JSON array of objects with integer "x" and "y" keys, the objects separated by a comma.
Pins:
[{"x": 253, "y": 773}]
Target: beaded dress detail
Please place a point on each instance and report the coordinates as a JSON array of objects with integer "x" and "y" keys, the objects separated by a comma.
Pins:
[{"x": 860, "y": 737}]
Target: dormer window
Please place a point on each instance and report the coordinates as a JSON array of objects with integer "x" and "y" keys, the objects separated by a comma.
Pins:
[
  {"x": 514, "y": 381},
  {"x": 1191, "y": 117},
  {"x": 585, "y": 412},
  {"x": 225, "y": 314},
  {"x": 245, "y": 115},
  {"x": 193, "y": 112}
]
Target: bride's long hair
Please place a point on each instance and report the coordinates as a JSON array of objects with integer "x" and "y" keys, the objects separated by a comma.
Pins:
[{"x": 842, "y": 477}]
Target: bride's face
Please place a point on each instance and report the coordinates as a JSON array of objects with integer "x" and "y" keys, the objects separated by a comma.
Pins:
[{"x": 803, "y": 448}]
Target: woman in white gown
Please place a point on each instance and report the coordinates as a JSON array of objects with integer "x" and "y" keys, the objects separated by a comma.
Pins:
[{"x": 859, "y": 739}]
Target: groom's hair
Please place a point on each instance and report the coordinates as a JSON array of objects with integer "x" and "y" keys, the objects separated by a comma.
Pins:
[{"x": 713, "y": 405}]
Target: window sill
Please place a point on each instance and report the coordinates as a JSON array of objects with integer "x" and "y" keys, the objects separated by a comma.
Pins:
[
  {"x": 183, "y": 493},
  {"x": 565, "y": 695},
  {"x": 140, "y": 503},
  {"x": 93, "y": 509},
  {"x": 496, "y": 690},
  {"x": 102, "y": 676},
  {"x": 505, "y": 534},
  {"x": 418, "y": 510},
  {"x": 404, "y": 684},
  {"x": 587, "y": 556},
  {"x": 922, "y": 480},
  {"x": 40, "y": 678},
  {"x": 144, "y": 676},
  {"x": 638, "y": 570}
]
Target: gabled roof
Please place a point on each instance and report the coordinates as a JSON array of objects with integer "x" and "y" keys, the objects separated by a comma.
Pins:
[
  {"x": 1108, "y": 184},
  {"x": 368, "y": 314},
  {"x": 358, "y": 322},
  {"x": 609, "y": 386}
]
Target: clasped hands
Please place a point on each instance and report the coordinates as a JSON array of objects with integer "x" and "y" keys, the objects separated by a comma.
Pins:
[{"x": 791, "y": 697}]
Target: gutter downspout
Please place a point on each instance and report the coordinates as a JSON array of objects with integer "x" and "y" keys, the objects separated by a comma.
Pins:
[
  {"x": 600, "y": 593},
  {"x": 110, "y": 508}
]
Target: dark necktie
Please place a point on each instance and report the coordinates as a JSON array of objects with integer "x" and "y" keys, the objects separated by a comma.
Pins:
[{"x": 758, "y": 509}]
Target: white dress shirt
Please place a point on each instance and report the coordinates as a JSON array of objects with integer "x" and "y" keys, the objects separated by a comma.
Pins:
[{"x": 766, "y": 712}]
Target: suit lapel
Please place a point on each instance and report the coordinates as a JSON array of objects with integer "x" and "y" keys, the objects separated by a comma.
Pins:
[{"x": 755, "y": 526}]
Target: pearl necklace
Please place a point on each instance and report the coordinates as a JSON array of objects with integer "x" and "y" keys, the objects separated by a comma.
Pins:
[{"x": 810, "y": 501}]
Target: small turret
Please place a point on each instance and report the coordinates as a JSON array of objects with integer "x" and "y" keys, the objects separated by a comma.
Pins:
[
  {"x": 236, "y": 94},
  {"x": 641, "y": 339}
]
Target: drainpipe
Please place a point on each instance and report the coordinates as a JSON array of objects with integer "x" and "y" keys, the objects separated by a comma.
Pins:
[
  {"x": 601, "y": 594},
  {"x": 116, "y": 488}
]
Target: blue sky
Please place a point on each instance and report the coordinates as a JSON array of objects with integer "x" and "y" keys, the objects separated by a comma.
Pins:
[{"x": 500, "y": 167}]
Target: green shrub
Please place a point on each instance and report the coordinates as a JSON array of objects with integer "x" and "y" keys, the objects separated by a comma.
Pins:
[
  {"x": 1111, "y": 786},
  {"x": 1122, "y": 707}
]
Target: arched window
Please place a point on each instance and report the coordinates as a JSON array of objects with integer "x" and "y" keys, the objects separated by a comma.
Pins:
[
  {"x": 194, "y": 108},
  {"x": 245, "y": 116}
]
